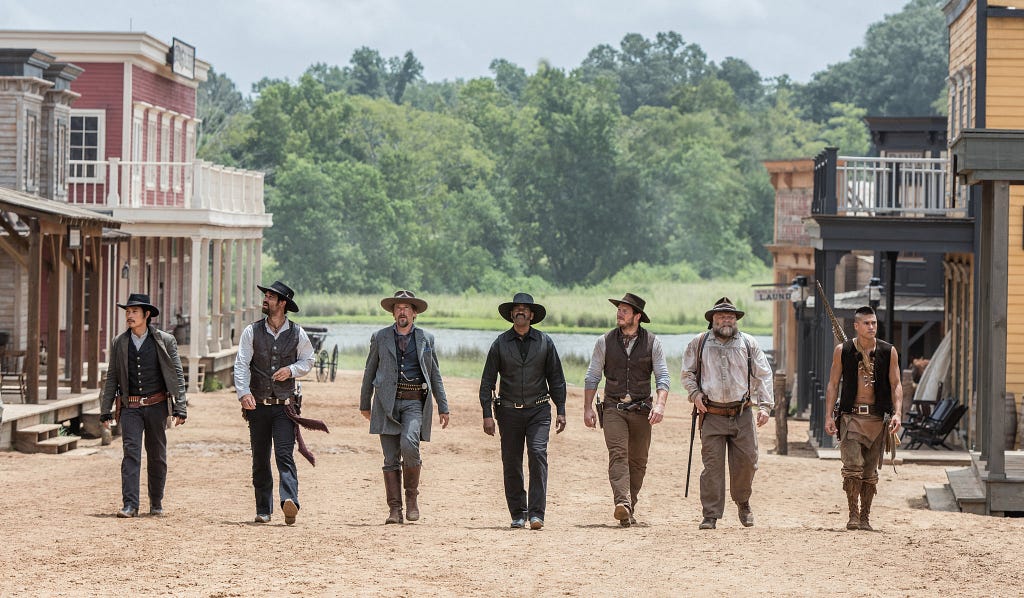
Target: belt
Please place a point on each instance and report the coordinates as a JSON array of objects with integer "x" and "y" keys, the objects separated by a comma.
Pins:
[
  {"x": 862, "y": 409},
  {"x": 410, "y": 395},
  {"x": 412, "y": 386},
  {"x": 731, "y": 411},
  {"x": 273, "y": 401},
  {"x": 500, "y": 402},
  {"x": 637, "y": 406},
  {"x": 140, "y": 401}
]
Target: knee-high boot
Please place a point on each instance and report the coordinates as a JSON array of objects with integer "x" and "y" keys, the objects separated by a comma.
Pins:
[
  {"x": 412, "y": 484},
  {"x": 393, "y": 489},
  {"x": 867, "y": 494},
  {"x": 852, "y": 487}
]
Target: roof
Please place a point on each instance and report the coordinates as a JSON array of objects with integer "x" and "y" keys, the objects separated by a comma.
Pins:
[{"x": 65, "y": 213}]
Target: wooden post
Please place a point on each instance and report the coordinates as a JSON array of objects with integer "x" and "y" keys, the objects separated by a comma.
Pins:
[
  {"x": 781, "y": 415},
  {"x": 53, "y": 305},
  {"x": 77, "y": 328},
  {"x": 35, "y": 285},
  {"x": 92, "y": 350}
]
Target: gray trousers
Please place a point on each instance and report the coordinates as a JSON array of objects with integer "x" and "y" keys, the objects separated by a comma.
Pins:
[
  {"x": 144, "y": 425},
  {"x": 724, "y": 437},
  {"x": 403, "y": 450}
]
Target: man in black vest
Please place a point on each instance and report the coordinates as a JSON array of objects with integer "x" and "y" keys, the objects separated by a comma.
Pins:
[
  {"x": 627, "y": 356},
  {"x": 144, "y": 375},
  {"x": 870, "y": 372},
  {"x": 272, "y": 352},
  {"x": 531, "y": 379}
]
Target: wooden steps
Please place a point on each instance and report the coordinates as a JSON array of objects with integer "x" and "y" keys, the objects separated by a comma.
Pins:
[
  {"x": 44, "y": 438},
  {"x": 940, "y": 498},
  {"x": 967, "y": 490}
]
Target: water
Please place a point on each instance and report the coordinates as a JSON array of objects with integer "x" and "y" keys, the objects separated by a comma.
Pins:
[{"x": 449, "y": 341}]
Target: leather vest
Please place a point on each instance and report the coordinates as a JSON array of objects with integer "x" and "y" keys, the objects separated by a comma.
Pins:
[
  {"x": 628, "y": 374},
  {"x": 881, "y": 357},
  {"x": 144, "y": 374},
  {"x": 523, "y": 380},
  {"x": 268, "y": 356}
]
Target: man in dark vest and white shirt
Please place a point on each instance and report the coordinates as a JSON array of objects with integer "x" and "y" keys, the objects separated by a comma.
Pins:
[
  {"x": 868, "y": 371},
  {"x": 531, "y": 379},
  {"x": 144, "y": 374},
  {"x": 627, "y": 356},
  {"x": 272, "y": 352},
  {"x": 400, "y": 377}
]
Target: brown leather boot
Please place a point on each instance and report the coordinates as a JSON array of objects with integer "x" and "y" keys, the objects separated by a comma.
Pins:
[
  {"x": 412, "y": 484},
  {"x": 867, "y": 494},
  {"x": 852, "y": 487},
  {"x": 393, "y": 489}
]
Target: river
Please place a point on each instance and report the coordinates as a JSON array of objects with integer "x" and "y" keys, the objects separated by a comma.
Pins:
[{"x": 450, "y": 341}]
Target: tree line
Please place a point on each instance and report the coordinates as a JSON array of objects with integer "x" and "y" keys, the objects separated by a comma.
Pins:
[{"x": 646, "y": 153}]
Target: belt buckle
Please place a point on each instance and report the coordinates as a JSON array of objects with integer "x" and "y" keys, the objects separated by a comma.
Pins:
[
  {"x": 518, "y": 405},
  {"x": 863, "y": 409},
  {"x": 143, "y": 401}
]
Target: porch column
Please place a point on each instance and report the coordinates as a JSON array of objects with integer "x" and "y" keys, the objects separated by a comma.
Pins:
[
  {"x": 225, "y": 294},
  {"x": 994, "y": 269},
  {"x": 53, "y": 316},
  {"x": 196, "y": 327},
  {"x": 217, "y": 296},
  {"x": 240, "y": 258},
  {"x": 251, "y": 304},
  {"x": 92, "y": 337},
  {"x": 77, "y": 328},
  {"x": 35, "y": 285}
]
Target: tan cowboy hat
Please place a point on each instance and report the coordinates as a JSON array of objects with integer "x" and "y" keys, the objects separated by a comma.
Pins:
[
  {"x": 284, "y": 292},
  {"x": 723, "y": 305},
  {"x": 388, "y": 303},
  {"x": 636, "y": 303},
  {"x": 505, "y": 309}
]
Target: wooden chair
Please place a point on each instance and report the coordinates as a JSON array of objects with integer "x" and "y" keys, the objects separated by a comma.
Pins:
[
  {"x": 12, "y": 374},
  {"x": 934, "y": 431}
]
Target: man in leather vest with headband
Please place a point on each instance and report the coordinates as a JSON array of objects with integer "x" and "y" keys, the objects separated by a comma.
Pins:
[{"x": 868, "y": 371}]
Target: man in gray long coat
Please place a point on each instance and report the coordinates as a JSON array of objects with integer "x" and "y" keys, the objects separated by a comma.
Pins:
[
  {"x": 400, "y": 377},
  {"x": 144, "y": 374}
]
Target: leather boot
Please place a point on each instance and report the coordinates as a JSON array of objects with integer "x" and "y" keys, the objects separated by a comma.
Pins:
[
  {"x": 852, "y": 487},
  {"x": 867, "y": 494},
  {"x": 412, "y": 484},
  {"x": 393, "y": 488}
]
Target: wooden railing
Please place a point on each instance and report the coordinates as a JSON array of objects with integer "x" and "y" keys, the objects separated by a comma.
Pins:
[
  {"x": 188, "y": 185},
  {"x": 865, "y": 186}
]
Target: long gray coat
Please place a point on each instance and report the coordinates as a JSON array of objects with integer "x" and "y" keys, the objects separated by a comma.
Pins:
[
  {"x": 380, "y": 382},
  {"x": 170, "y": 367}
]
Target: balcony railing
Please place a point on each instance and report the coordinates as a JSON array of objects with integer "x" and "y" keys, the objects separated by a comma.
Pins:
[
  {"x": 863, "y": 186},
  {"x": 189, "y": 185}
]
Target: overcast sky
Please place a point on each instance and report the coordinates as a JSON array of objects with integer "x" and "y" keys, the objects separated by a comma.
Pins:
[{"x": 250, "y": 39}]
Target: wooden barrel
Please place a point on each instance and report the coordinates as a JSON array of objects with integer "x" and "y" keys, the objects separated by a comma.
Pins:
[{"x": 1010, "y": 424}]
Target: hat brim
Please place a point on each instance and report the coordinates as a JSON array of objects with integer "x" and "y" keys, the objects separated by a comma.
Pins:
[
  {"x": 643, "y": 316},
  {"x": 388, "y": 303},
  {"x": 153, "y": 311},
  {"x": 290, "y": 304},
  {"x": 709, "y": 315},
  {"x": 505, "y": 309}
]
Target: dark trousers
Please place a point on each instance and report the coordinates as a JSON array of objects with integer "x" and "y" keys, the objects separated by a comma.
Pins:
[
  {"x": 138, "y": 425},
  {"x": 269, "y": 425},
  {"x": 530, "y": 427}
]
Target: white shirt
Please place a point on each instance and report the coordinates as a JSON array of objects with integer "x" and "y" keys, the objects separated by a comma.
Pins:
[{"x": 724, "y": 371}]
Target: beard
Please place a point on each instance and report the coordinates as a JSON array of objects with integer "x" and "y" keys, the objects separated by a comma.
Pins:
[
  {"x": 403, "y": 321},
  {"x": 725, "y": 331},
  {"x": 265, "y": 309}
]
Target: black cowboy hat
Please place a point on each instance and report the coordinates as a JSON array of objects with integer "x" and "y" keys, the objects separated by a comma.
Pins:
[
  {"x": 505, "y": 309},
  {"x": 283, "y": 291},
  {"x": 635, "y": 302},
  {"x": 723, "y": 305},
  {"x": 388, "y": 303},
  {"x": 141, "y": 300}
]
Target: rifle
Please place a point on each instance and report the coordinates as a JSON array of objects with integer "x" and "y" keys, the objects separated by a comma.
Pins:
[
  {"x": 689, "y": 460},
  {"x": 840, "y": 334}
]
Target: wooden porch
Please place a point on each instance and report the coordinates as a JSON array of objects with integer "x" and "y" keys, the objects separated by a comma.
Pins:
[{"x": 65, "y": 407}]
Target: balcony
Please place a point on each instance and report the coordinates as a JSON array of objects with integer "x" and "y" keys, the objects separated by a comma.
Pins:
[
  {"x": 891, "y": 187},
  {"x": 197, "y": 185}
]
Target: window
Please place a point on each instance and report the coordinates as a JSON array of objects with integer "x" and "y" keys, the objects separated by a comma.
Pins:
[
  {"x": 31, "y": 157},
  {"x": 87, "y": 132}
]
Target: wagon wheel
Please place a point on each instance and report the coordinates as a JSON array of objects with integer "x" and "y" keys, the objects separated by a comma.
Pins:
[
  {"x": 321, "y": 366},
  {"x": 334, "y": 362}
]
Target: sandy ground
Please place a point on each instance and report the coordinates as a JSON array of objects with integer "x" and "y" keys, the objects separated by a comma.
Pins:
[{"x": 59, "y": 536}]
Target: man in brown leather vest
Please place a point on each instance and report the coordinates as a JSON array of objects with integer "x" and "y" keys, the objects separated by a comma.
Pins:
[
  {"x": 627, "y": 356},
  {"x": 870, "y": 372}
]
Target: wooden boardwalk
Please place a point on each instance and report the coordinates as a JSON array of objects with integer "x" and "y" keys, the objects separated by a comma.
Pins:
[{"x": 66, "y": 406}]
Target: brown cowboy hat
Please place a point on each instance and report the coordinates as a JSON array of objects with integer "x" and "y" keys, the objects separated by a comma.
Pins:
[
  {"x": 723, "y": 305},
  {"x": 141, "y": 300},
  {"x": 636, "y": 303},
  {"x": 505, "y": 309},
  {"x": 283, "y": 291},
  {"x": 388, "y": 303}
]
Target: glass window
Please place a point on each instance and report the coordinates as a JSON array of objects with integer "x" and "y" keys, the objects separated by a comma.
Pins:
[{"x": 86, "y": 147}]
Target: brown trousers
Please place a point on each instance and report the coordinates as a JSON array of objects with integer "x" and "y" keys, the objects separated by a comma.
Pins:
[
  {"x": 628, "y": 438},
  {"x": 736, "y": 436},
  {"x": 858, "y": 451}
]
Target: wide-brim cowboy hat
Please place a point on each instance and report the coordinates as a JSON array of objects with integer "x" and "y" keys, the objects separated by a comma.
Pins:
[
  {"x": 283, "y": 291},
  {"x": 635, "y": 302},
  {"x": 505, "y": 309},
  {"x": 723, "y": 305},
  {"x": 140, "y": 300},
  {"x": 388, "y": 303}
]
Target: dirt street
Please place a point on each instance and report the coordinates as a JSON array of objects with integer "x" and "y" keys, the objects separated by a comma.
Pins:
[{"x": 59, "y": 536}]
